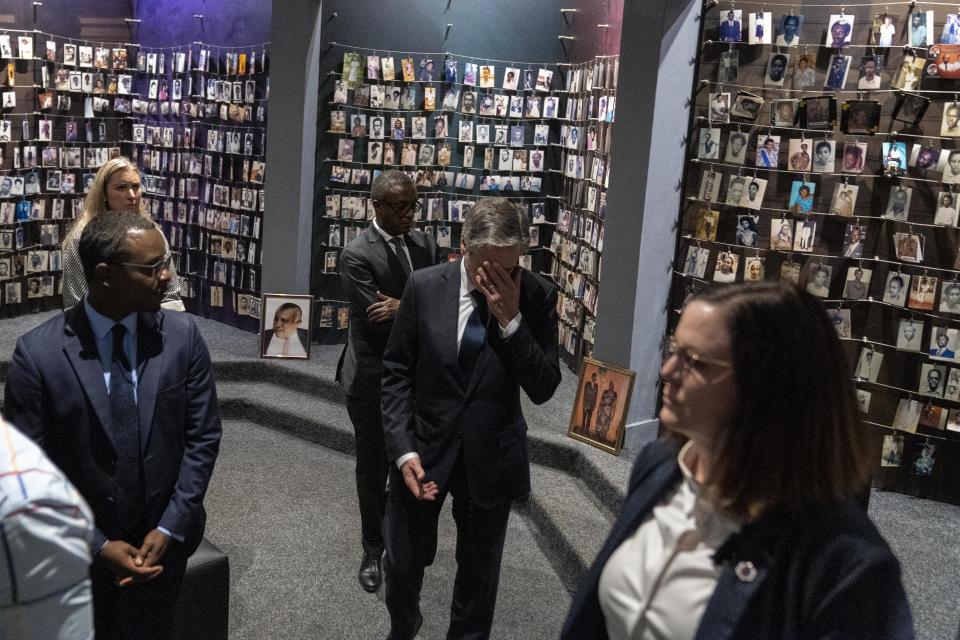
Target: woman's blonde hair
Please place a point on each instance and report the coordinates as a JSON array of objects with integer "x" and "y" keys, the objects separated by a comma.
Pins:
[{"x": 96, "y": 201}]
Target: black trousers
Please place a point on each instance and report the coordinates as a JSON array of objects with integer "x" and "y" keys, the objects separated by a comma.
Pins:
[
  {"x": 372, "y": 467},
  {"x": 143, "y": 611},
  {"x": 411, "y": 536}
]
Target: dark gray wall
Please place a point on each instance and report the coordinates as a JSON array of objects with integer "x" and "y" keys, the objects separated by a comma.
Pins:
[
  {"x": 659, "y": 44},
  {"x": 590, "y": 39},
  {"x": 291, "y": 131},
  {"x": 233, "y": 23},
  {"x": 69, "y": 18}
]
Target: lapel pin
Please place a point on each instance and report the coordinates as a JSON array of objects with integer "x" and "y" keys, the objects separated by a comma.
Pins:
[{"x": 745, "y": 571}]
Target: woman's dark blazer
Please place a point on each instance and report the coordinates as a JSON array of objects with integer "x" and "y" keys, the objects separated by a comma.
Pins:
[{"x": 826, "y": 575}]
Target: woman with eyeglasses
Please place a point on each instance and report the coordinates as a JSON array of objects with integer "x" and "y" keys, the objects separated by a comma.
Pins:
[
  {"x": 743, "y": 521},
  {"x": 117, "y": 187}
]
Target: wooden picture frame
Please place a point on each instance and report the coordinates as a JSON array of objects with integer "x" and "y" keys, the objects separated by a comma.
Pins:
[
  {"x": 608, "y": 389},
  {"x": 274, "y": 305}
]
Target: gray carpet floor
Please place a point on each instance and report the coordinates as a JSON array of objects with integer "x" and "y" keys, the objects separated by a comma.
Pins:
[{"x": 284, "y": 511}]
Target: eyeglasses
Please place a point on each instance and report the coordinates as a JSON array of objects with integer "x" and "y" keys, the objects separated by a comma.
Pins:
[
  {"x": 154, "y": 269},
  {"x": 403, "y": 207},
  {"x": 689, "y": 360}
]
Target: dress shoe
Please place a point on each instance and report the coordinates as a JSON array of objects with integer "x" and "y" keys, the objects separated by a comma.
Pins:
[
  {"x": 370, "y": 574},
  {"x": 416, "y": 629}
]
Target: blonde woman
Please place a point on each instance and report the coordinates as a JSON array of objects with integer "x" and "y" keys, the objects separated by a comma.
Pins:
[{"x": 116, "y": 188}]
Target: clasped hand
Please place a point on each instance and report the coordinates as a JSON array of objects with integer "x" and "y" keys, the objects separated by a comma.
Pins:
[{"x": 130, "y": 564}]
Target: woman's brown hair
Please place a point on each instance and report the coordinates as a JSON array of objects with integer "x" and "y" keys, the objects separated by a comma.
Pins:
[{"x": 797, "y": 440}]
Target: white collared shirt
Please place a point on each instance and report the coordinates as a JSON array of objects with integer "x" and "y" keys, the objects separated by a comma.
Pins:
[
  {"x": 387, "y": 238},
  {"x": 294, "y": 347},
  {"x": 657, "y": 584}
]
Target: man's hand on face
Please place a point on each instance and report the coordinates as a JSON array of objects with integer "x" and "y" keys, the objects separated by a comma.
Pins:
[{"x": 501, "y": 289}]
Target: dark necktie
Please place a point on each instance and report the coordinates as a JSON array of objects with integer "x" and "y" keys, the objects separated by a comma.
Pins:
[
  {"x": 126, "y": 433},
  {"x": 398, "y": 247},
  {"x": 474, "y": 335}
]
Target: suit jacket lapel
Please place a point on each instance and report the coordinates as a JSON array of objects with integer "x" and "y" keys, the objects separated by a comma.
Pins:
[
  {"x": 80, "y": 347},
  {"x": 419, "y": 254},
  {"x": 449, "y": 312},
  {"x": 149, "y": 366},
  {"x": 393, "y": 270}
]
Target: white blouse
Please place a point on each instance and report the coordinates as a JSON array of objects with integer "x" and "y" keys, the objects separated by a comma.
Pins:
[{"x": 657, "y": 584}]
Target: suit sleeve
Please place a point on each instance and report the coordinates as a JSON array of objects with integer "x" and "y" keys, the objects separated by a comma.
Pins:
[
  {"x": 532, "y": 353},
  {"x": 23, "y": 395},
  {"x": 860, "y": 596},
  {"x": 202, "y": 431},
  {"x": 358, "y": 280},
  {"x": 399, "y": 373}
]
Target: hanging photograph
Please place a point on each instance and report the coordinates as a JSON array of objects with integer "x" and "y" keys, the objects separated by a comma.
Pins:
[
  {"x": 746, "y": 106},
  {"x": 818, "y": 112},
  {"x": 731, "y": 25},
  {"x": 861, "y": 117},
  {"x": 910, "y": 108},
  {"x": 840, "y": 30},
  {"x": 788, "y": 30}
]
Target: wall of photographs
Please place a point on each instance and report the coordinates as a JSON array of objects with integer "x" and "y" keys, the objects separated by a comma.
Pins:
[
  {"x": 466, "y": 127},
  {"x": 461, "y": 127},
  {"x": 198, "y": 132},
  {"x": 53, "y": 136},
  {"x": 192, "y": 117},
  {"x": 578, "y": 243},
  {"x": 823, "y": 151}
]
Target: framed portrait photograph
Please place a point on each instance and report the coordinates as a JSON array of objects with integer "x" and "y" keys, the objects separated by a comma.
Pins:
[
  {"x": 600, "y": 410},
  {"x": 746, "y": 106},
  {"x": 285, "y": 326},
  {"x": 818, "y": 112},
  {"x": 910, "y": 108},
  {"x": 784, "y": 113},
  {"x": 861, "y": 117}
]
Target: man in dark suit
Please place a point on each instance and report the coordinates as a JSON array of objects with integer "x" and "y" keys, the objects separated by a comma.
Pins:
[
  {"x": 468, "y": 337},
  {"x": 286, "y": 338},
  {"x": 590, "y": 389},
  {"x": 120, "y": 396},
  {"x": 730, "y": 28},
  {"x": 374, "y": 268}
]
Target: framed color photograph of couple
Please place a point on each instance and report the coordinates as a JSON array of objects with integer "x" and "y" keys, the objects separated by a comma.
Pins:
[
  {"x": 285, "y": 326},
  {"x": 600, "y": 410}
]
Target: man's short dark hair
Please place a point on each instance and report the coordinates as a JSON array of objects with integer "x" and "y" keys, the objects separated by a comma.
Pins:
[
  {"x": 287, "y": 306},
  {"x": 821, "y": 144},
  {"x": 104, "y": 239}
]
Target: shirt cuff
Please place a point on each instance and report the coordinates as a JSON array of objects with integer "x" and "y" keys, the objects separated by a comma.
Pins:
[
  {"x": 512, "y": 326},
  {"x": 166, "y": 531},
  {"x": 405, "y": 457}
]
